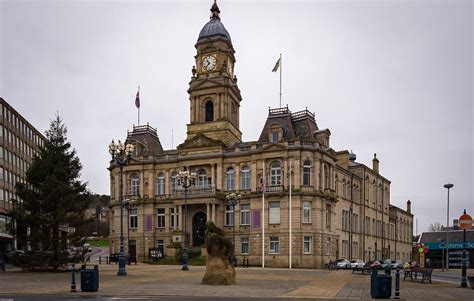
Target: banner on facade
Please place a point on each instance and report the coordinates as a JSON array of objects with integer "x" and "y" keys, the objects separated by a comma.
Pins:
[{"x": 255, "y": 218}]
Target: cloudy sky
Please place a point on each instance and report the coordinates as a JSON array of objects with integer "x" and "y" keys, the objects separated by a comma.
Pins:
[{"x": 386, "y": 77}]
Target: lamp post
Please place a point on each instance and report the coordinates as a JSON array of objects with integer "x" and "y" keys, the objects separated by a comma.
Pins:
[
  {"x": 129, "y": 204},
  {"x": 448, "y": 186},
  {"x": 233, "y": 200},
  {"x": 121, "y": 155},
  {"x": 186, "y": 180}
]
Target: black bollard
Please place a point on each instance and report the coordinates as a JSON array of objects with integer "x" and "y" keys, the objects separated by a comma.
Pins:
[
  {"x": 397, "y": 284},
  {"x": 73, "y": 280},
  {"x": 100, "y": 259}
]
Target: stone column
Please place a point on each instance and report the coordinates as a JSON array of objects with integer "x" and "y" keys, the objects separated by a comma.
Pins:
[
  {"x": 208, "y": 211},
  {"x": 180, "y": 218},
  {"x": 213, "y": 213}
]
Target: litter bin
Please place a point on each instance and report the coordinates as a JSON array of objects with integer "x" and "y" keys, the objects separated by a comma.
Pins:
[
  {"x": 380, "y": 285},
  {"x": 90, "y": 278}
]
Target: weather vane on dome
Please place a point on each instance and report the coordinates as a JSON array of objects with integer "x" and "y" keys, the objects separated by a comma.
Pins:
[{"x": 215, "y": 11}]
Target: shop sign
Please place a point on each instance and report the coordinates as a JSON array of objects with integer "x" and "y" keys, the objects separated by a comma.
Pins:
[{"x": 453, "y": 245}]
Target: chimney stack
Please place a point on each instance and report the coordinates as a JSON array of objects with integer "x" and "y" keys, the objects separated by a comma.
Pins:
[
  {"x": 409, "y": 206},
  {"x": 375, "y": 164}
]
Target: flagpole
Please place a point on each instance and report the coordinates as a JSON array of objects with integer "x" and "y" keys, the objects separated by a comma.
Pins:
[
  {"x": 281, "y": 65},
  {"x": 263, "y": 215},
  {"x": 290, "y": 228},
  {"x": 138, "y": 108}
]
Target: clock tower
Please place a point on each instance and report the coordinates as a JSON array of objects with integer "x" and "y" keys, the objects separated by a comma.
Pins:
[{"x": 213, "y": 92}]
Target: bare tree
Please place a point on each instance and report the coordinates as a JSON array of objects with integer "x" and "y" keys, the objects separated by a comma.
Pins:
[{"x": 435, "y": 227}]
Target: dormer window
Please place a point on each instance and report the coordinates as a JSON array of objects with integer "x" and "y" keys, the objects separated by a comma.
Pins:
[{"x": 275, "y": 134}]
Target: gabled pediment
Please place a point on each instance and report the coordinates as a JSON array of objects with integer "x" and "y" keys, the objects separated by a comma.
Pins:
[
  {"x": 200, "y": 141},
  {"x": 274, "y": 147}
]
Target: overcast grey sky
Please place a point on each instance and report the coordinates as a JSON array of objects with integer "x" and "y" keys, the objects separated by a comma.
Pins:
[{"x": 386, "y": 77}]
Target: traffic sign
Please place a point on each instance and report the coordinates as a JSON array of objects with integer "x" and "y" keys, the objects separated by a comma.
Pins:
[{"x": 465, "y": 221}]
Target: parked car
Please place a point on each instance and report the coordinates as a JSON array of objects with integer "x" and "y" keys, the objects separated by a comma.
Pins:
[
  {"x": 387, "y": 264},
  {"x": 357, "y": 263},
  {"x": 343, "y": 263},
  {"x": 397, "y": 264},
  {"x": 376, "y": 265},
  {"x": 87, "y": 247},
  {"x": 406, "y": 265}
]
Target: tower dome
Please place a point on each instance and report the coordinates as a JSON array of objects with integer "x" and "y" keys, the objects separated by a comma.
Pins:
[{"x": 214, "y": 28}]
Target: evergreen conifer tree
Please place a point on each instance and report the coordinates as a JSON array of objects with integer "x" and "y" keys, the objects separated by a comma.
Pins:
[{"x": 53, "y": 202}]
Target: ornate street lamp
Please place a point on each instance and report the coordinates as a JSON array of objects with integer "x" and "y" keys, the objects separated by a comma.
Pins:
[
  {"x": 447, "y": 186},
  {"x": 233, "y": 200},
  {"x": 129, "y": 205},
  {"x": 186, "y": 180},
  {"x": 121, "y": 155}
]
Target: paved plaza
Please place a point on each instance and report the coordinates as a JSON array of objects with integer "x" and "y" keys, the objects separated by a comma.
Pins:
[{"x": 155, "y": 281}]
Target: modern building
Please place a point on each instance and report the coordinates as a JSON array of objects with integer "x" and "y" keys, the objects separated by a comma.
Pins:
[
  {"x": 437, "y": 248},
  {"x": 19, "y": 142},
  {"x": 339, "y": 207}
]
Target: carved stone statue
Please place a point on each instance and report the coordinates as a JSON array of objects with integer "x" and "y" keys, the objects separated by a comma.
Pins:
[{"x": 219, "y": 270}]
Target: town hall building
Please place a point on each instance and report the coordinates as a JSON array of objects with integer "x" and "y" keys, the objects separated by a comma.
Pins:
[{"x": 340, "y": 208}]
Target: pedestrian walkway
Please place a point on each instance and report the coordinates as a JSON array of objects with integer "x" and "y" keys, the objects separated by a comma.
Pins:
[{"x": 157, "y": 280}]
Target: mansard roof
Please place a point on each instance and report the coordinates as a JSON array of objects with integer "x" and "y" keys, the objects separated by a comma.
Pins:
[
  {"x": 295, "y": 126},
  {"x": 146, "y": 137}
]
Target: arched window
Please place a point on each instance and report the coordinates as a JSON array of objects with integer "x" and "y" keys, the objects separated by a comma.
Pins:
[
  {"x": 307, "y": 173},
  {"x": 174, "y": 181},
  {"x": 160, "y": 184},
  {"x": 275, "y": 174},
  {"x": 135, "y": 184},
  {"x": 230, "y": 179},
  {"x": 202, "y": 178},
  {"x": 209, "y": 111},
  {"x": 245, "y": 178}
]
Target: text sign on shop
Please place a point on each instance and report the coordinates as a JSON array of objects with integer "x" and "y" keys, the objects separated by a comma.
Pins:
[{"x": 453, "y": 245}]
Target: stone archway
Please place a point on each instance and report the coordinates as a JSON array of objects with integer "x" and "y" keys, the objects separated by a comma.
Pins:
[{"x": 199, "y": 229}]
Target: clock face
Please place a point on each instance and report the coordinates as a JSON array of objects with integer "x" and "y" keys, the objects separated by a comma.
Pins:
[{"x": 209, "y": 62}]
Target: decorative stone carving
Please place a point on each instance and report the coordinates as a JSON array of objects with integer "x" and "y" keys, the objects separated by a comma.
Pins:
[{"x": 219, "y": 270}]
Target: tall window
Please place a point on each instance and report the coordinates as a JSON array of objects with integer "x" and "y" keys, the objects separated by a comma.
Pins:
[
  {"x": 135, "y": 184},
  {"x": 172, "y": 215},
  {"x": 174, "y": 181},
  {"x": 275, "y": 174},
  {"x": 160, "y": 184},
  {"x": 274, "y": 213},
  {"x": 230, "y": 179},
  {"x": 307, "y": 173},
  {"x": 245, "y": 214},
  {"x": 274, "y": 136},
  {"x": 245, "y": 179},
  {"x": 307, "y": 244},
  {"x": 202, "y": 178},
  {"x": 326, "y": 176},
  {"x": 244, "y": 243},
  {"x": 209, "y": 111},
  {"x": 274, "y": 245},
  {"x": 160, "y": 217},
  {"x": 229, "y": 215},
  {"x": 133, "y": 219},
  {"x": 328, "y": 216},
  {"x": 306, "y": 212}
]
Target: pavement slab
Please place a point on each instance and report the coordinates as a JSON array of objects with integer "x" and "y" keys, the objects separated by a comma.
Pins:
[{"x": 144, "y": 280}]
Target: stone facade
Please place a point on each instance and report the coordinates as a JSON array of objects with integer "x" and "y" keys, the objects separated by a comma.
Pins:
[{"x": 339, "y": 207}]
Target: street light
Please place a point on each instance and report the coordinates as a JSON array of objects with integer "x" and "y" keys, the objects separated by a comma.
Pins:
[
  {"x": 129, "y": 204},
  {"x": 233, "y": 200},
  {"x": 186, "y": 180},
  {"x": 121, "y": 155},
  {"x": 448, "y": 186}
]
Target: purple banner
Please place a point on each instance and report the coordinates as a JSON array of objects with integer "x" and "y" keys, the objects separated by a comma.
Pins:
[
  {"x": 149, "y": 222},
  {"x": 255, "y": 218}
]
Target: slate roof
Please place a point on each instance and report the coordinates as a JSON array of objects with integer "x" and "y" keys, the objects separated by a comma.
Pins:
[
  {"x": 147, "y": 138},
  {"x": 296, "y": 126},
  {"x": 454, "y": 235}
]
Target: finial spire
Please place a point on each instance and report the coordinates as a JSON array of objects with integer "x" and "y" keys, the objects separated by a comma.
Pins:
[{"x": 215, "y": 11}]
